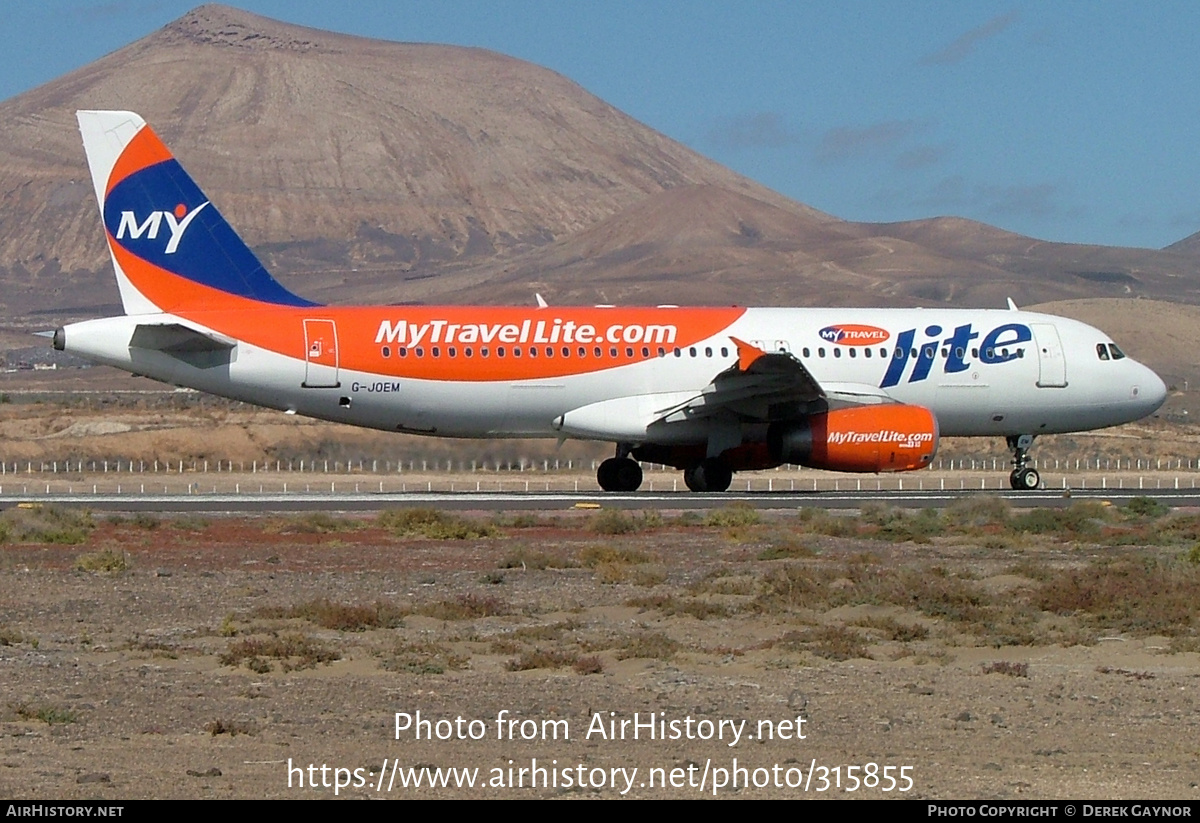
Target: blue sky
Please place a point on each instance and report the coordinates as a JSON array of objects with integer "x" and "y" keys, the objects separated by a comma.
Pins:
[{"x": 1069, "y": 121}]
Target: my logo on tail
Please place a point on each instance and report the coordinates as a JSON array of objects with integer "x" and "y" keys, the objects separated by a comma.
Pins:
[{"x": 177, "y": 223}]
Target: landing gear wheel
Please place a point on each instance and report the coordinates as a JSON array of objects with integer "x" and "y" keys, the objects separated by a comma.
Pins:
[
  {"x": 710, "y": 475},
  {"x": 1025, "y": 479},
  {"x": 619, "y": 474},
  {"x": 1022, "y": 478}
]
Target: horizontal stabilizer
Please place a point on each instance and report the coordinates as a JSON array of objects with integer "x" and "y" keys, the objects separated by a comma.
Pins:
[{"x": 174, "y": 338}]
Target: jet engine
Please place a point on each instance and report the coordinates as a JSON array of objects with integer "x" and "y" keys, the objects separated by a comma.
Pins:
[{"x": 886, "y": 438}]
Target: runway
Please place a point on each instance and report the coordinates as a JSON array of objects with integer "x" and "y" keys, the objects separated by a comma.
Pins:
[{"x": 558, "y": 501}]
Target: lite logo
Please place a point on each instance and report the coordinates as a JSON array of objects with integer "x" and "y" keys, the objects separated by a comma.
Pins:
[
  {"x": 177, "y": 222},
  {"x": 851, "y": 334},
  {"x": 1000, "y": 345}
]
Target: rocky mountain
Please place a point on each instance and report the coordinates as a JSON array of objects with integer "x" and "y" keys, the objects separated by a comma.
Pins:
[{"x": 371, "y": 171}]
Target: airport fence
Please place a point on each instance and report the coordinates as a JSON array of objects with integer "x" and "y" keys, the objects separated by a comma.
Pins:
[{"x": 140, "y": 477}]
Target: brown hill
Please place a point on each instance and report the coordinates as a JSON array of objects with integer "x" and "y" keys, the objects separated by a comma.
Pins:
[
  {"x": 334, "y": 155},
  {"x": 364, "y": 170}
]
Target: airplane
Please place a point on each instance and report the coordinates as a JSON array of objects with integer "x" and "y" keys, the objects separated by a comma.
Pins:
[{"x": 711, "y": 391}]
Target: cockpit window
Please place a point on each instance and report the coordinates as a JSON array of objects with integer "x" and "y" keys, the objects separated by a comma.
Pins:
[
  {"x": 1117, "y": 354},
  {"x": 1101, "y": 351}
]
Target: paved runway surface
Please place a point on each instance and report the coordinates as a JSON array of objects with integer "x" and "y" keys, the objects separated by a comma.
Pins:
[{"x": 496, "y": 501}]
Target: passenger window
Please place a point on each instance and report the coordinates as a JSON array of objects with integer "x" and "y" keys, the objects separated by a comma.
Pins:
[
  {"x": 549, "y": 351},
  {"x": 724, "y": 351},
  {"x": 582, "y": 351},
  {"x": 708, "y": 351},
  {"x": 533, "y": 351},
  {"x": 866, "y": 352},
  {"x": 420, "y": 352},
  {"x": 499, "y": 351},
  {"x": 959, "y": 352},
  {"x": 516, "y": 351},
  {"x": 883, "y": 352},
  {"x": 387, "y": 352},
  {"x": 678, "y": 353},
  {"x": 566, "y": 350},
  {"x": 804, "y": 351},
  {"x": 692, "y": 351},
  {"x": 612, "y": 352},
  {"x": 402, "y": 352},
  {"x": 662, "y": 352},
  {"x": 645, "y": 352},
  {"x": 469, "y": 352},
  {"x": 437, "y": 352},
  {"x": 821, "y": 351},
  {"x": 837, "y": 352},
  {"x": 629, "y": 351},
  {"x": 598, "y": 352},
  {"x": 853, "y": 352}
]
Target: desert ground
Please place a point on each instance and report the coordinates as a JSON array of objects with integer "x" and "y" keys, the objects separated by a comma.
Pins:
[{"x": 975, "y": 652}]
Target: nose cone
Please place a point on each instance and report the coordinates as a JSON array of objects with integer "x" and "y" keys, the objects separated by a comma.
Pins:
[{"x": 1149, "y": 392}]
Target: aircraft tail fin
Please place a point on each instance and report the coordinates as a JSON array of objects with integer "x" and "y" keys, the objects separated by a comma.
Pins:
[{"x": 171, "y": 249}]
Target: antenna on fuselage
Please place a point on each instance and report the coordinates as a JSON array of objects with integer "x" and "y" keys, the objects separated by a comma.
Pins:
[
  {"x": 541, "y": 301},
  {"x": 1011, "y": 305}
]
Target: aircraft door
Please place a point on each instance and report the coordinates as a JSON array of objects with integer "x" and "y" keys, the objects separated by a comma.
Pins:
[
  {"x": 320, "y": 355},
  {"x": 1052, "y": 365}
]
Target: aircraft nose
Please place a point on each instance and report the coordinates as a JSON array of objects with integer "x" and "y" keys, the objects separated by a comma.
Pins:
[{"x": 1149, "y": 391}]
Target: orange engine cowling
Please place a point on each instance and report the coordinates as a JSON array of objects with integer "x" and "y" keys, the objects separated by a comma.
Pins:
[{"x": 887, "y": 438}]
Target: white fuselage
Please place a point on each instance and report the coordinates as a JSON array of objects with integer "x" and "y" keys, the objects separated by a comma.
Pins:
[{"x": 981, "y": 372}]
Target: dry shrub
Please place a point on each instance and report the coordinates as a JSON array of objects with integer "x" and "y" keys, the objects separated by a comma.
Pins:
[
  {"x": 975, "y": 515},
  {"x": 230, "y": 727},
  {"x": 593, "y": 556},
  {"x": 465, "y": 607},
  {"x": 530, "y": 559},
  {"x": 589, "y": 664},
  {"x": 786, "y": 547},
  {"x": 615, "y": 521},
  {"x": 312, "y": 523},
  {"x": 432, "y": 524},
  {"x": 543, "y": 659},
  {"x": 651, "y": 645},
  {"x": 835, "y": 643},
  {"x": 670, "y": 606},
  {"x": 738, "y": 515},
  {"x": 105, "y": 560},
  {"x": 294, "y": 651},
  {"x": 1007, "y": 667},
  {"x": 1134, "y": 594},
  {"x": 46, "y": 524},
  {"x": 1081, "y": 519},
  {"x": 893, "y": 629},
  {"x": 341, "y": 617},
  {"x": 420, "y": 657}
]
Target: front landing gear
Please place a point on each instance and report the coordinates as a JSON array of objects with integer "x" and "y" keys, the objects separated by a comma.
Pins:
[
  {"x": 1022, "y": 477},
  {"x": 619, "y": 474},
  {"x": 710, "y": 475}
]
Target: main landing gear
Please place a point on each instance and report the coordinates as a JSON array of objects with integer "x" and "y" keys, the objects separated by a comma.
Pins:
[
  {"x": 620, "y": 473},
  {"x": 1022, "y": 477},
  {"x": 709, "y": 475}
]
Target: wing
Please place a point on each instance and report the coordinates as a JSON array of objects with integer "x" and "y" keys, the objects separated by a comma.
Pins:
[{"x": 765, "y": 387}]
